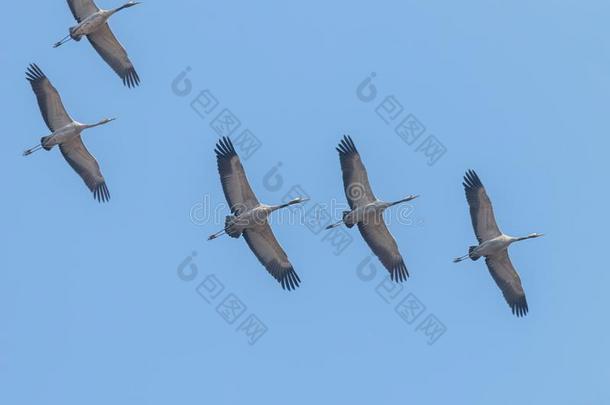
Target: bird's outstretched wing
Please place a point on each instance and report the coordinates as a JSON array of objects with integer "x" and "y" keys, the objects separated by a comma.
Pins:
[
  {"x": 111, "y": 50},
  {"x": 82, "y": 9},
  {"x": 382, "y": 243},
  {"x": 235, "y": 184},
  {"x": 481, "y": 211},
  {"x": 355, "y": 179},
  {"x": 83, "y": 163},
  {"x": 49, "y": 101},
  {"x": 508, "y": 280},
  {"x": 269, "y": 252}
]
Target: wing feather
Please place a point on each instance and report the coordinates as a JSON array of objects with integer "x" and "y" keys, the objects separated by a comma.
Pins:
[
  {"x": 49, "y": 101},
  {"x": 481, "y": 210},
  {"x": 382, "y": 243},
  {"x": 506, "y": 277},
  {"x": 235, "y": 184},
  {"x": 355, "y": 179},
  {"x": 269, "y": 252},
  {"x": 83, "y": 163},
  {"x": 111, "y": 50},
  {"x": 82, "y": 9}
]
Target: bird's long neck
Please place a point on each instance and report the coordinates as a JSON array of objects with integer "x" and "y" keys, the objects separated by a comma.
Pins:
[
  {"x": 124, "y": 6},
  {"x": 280, "y": 206},
  {"x": 520, "y": 238},
  {"x": 102, "y": 122},
  {"x": 400, "y": 201}
]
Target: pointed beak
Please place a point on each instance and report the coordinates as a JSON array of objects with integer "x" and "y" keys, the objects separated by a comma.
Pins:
[
  {"x": 298, "y": 200},
  {"x": 412, "y": 197}
]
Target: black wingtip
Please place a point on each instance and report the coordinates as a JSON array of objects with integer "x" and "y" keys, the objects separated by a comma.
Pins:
[
  {"x": 131, "y": 78},
  {"x": 346, "y": 146},
  {"x": 101, "y": 193},
  {"x": 34, "y": 73},
  {"x": 289, "y": 280},
  {"x": 472, "y": 180},
  {"x": 224, "y": 148},
  {"x": 520, "y": 308},
  {"x": 399, "y": 273}
]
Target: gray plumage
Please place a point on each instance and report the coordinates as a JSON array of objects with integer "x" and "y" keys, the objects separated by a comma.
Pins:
[
  {"x": 111, "y": 50},
  {"x": 486, "y": 231},
  {"x": 103, "y": 40},
  {"x": 82, "y": 9},
  {"x": 245, "y": 206},
  {"x": 360, "y": 197},
  {"x": 73, "y": 150},
  {"x": 50, "y": 104}
]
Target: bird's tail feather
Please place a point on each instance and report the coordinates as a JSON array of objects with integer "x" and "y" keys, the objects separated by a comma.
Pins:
[
  {"x": 43, "y": 142},
  {"x": 229, "y": 229},
  {"x": 472, "y": 255},
  {"x": 348, "y": 224},
  {"x": 74, "y": 37}
]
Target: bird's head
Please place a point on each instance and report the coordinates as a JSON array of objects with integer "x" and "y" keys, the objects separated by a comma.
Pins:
[
  {"x": 298, "y": 200},
  {"x": 406, "y": 199},
  {"x": 535, "y": 235},
  {"x": 124, "y": 6}
]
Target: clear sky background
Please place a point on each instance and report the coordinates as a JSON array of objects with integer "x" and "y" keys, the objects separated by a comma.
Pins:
[{"x": 91, "y": 306}]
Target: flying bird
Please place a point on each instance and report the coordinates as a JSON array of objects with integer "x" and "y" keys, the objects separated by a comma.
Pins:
[
  {"x": 367, "y": 211},
  {"x": 493, "y": 244},
  {"x": 66, "y": 133},
  {"x": 249, "y": 217},
  {"x": 93, "y": 23}
]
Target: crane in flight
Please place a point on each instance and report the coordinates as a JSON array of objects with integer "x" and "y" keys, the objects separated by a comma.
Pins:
[
  {"x": 367, "y": 211},
  {"x": 66, "y": 133},
  {"x": 493, "y": 244},
  {"x": 92, "y": 22},
  {"x": 249, "y": 217}
]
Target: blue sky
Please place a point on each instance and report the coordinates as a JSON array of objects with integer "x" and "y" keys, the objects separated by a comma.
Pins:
[{"x": 91, "y": 303}]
